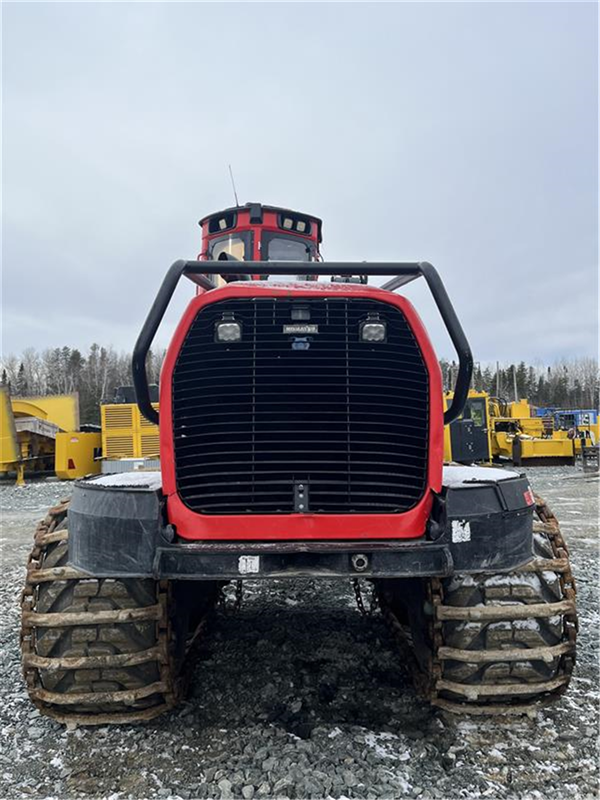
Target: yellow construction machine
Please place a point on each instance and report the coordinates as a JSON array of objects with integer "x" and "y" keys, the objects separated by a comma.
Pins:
[
  {"x": 41, "y": 434},
  {"x": 129, "y": 440},
  {"x": 10, "y": 452},
  {"x": 468, "y": 439},
  {"x": 580, "y": 425},
  {"x": 525, "y": 439},
  {"x": 492, "y": 429}
]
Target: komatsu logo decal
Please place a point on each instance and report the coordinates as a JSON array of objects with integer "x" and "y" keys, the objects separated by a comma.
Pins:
[{"x": 301, "y": 329}]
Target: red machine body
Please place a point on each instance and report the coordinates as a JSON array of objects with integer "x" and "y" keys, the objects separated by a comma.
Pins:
[
  {"x": 264, "y": 233},
  {"x": 191, "y": 525},
  {"x": 301, "y": 431}
]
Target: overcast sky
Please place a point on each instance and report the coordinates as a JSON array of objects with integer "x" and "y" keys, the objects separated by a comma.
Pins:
[{"x": 464, "y": 134}]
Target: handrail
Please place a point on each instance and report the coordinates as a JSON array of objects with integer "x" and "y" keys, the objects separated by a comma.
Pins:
[{"x": 403, "y": 272}]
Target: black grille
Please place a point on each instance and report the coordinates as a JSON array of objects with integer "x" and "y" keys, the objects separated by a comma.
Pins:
[{"x": 252, "y": 420}]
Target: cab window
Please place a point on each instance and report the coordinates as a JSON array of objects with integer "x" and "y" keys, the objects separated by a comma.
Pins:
[
  {"x": 475, "y": 410},
  {"x": 232, "y": 246},
  {"x": 287, "y": 248}
]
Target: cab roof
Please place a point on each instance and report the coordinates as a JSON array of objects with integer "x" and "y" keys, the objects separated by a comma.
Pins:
[{"x": 256, "y": 212}]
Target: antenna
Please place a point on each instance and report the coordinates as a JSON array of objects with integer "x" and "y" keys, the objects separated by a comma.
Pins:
[{"x": 237, "y": 202}]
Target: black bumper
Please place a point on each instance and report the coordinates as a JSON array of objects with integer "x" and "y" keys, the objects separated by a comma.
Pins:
[
  {"x": 235, "y": 560},
  {"x": 120, "y": 532}
]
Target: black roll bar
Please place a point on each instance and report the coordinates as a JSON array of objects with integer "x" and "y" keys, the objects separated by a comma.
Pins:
[{"x": 403, "y": 273}]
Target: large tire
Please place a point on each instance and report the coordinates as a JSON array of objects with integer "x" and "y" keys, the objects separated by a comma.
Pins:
[
  {"x": 95, "y": 650},
  {"x": 496, "y": 643}
]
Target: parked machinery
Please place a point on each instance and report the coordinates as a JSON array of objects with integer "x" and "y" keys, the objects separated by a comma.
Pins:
[
  {"x": 525, "y": 439},
  {"x": 468, "y": 439},
  {"x": 301, "y": 434},
  {"x": 582, "y": 425},
  {"x": 129, "y": 440},
  {"x": 43, "y": 435},
  {"x": 494, "y": 429}
]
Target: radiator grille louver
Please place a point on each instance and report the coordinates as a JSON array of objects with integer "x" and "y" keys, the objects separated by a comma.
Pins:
[
  {"x": 252, "y": 419},
  {"x": 118, "y": 417}
]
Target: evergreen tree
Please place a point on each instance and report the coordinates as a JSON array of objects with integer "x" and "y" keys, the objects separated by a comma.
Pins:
[
  {"x": 477, "y": 381},
  {"x": 487, "y": 380},
  {"x": 75, "y": 367},
  {"x": 541, "y": 391},
  {"x": 22, "y": 384},
  {"x": 52, "y": 368},
  {"x": 532, "y": 385}
]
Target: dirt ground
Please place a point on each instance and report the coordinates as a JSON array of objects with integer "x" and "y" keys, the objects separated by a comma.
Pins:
[{"x": 297, "y": 695}]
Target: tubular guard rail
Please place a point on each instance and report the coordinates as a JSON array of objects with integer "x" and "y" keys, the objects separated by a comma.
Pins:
[{"x": 403, "y": 273}]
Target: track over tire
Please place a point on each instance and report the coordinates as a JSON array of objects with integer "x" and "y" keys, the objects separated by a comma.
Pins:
[
  {"x": 96, "y": 650},
  {"x": 500, "y": 643}
]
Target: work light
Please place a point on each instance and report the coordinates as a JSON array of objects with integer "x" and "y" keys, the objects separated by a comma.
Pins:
[
  {"x": 228, "y": 330},
  {"x": 373, "y": 329}
]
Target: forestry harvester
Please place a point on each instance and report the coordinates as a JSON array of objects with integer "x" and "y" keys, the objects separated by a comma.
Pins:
[{"x": 301, "y": 434}]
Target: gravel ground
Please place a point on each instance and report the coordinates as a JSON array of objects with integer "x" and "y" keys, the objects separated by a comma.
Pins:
[{"x": 299, "y": 696}]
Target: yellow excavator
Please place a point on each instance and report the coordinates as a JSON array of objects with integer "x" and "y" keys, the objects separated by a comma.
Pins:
[{"x": 492, "y": 429}]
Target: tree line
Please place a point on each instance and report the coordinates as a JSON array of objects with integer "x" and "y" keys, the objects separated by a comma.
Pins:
[
  {"x": 96, "y": 374},
  {"x": 566, "y": 384}
]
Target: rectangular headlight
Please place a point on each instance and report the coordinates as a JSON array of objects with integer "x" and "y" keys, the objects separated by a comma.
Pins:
[
  {"x": 373, "y": 330},
  {"x": 228, "y": 330}
]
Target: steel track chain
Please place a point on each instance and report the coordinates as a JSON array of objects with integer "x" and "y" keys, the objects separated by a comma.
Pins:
[
  {"x": 170, "y": 687},
  {"x": 430, "y": 683},
  {"x": 360, "y": 601}
]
